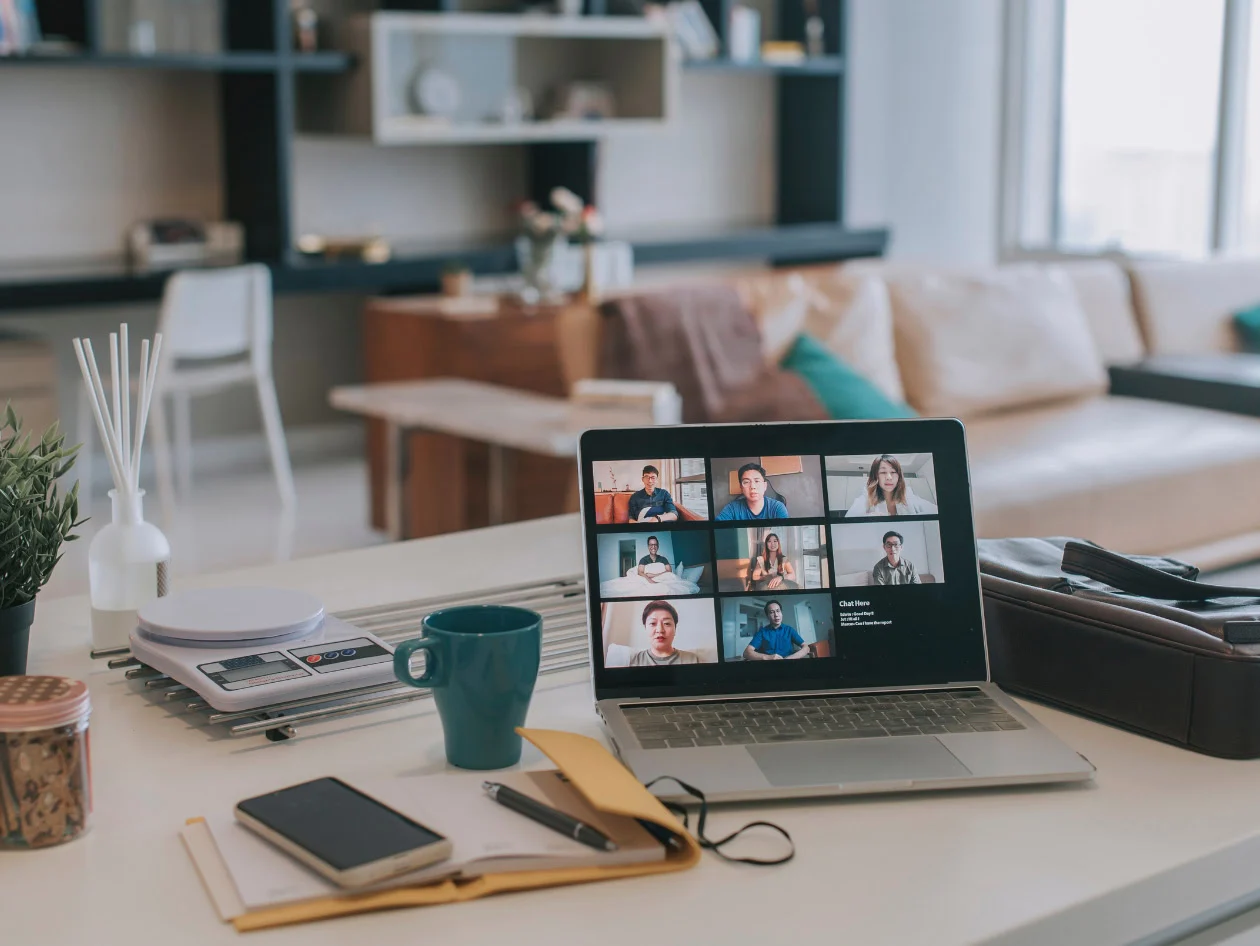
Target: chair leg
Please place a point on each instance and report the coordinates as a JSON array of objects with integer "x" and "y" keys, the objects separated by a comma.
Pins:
[
  {"x": 162, "y": 457},
  {"x": 274, "y": 428},
  {"x": 85, "y": 431},
  {"x": 182, "y": 403}
]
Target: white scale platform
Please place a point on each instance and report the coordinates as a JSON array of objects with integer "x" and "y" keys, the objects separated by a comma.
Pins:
[{"x": 245, "y": 648}]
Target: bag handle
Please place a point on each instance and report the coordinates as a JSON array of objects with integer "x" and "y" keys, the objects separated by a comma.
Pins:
[{"x": 1125, "y": 574}]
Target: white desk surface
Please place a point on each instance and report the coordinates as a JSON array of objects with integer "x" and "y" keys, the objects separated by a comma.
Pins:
[
  {"x": 1163, "y": 835},
  {"x": 491, "y": 413}
]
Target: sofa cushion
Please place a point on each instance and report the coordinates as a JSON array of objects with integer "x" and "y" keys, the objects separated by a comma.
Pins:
[
  {"x": 1102, "y": 288},
  {"x": 849, "y": 313},
  {"x": 1128, "y": 473},
  {"x": 971, "y": 344},
  {"x": 844, "y": 393},
  {"x": 1247, "y": 327},
  {"x": 1187, "y": 308}
]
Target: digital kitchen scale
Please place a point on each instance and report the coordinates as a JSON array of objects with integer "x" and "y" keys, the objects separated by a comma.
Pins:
[{"x": 243, "y": 648}]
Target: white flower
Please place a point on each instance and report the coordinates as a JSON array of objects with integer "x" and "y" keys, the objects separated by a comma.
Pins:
[{"x": 566, "y": 201}]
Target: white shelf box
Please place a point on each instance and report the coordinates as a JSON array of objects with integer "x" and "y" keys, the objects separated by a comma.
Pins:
[{"x": 489, "y": 56}]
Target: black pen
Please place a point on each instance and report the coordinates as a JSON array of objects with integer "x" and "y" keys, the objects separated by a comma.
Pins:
[
  {"x": 549, "y": 817},
  {"x": 671, "y": 841}
]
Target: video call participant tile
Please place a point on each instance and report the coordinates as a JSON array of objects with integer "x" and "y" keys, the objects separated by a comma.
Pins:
[
  {"x": 772, "y": 558},
  {"x": 659, "y": 633},
  {"x": 655, "y": 564},
  {"x": 650, "y": 491},
  {"x": 771, "y": 627},
  {"x": 887, "y": 553},
  {"x": 865, "y": 486},
  {"x": 746, "y": 488}
]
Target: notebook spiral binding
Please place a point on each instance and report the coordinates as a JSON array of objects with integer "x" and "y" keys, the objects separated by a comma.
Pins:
[{"x": 561, "y": 602}]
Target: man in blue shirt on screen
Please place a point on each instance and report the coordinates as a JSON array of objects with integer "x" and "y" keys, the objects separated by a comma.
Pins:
[
  {"x": 776, "y": 641},
  {"x": 753, "y": 503},
  {"x": 652, "y": 504}
]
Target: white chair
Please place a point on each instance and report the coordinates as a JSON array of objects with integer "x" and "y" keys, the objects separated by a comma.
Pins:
[{"x": 216, "y": 327}]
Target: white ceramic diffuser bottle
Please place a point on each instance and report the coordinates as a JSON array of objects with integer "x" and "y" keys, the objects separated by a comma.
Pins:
[
  {"x": 127, "y": 566},
  {"x": 129, "y": 558}
]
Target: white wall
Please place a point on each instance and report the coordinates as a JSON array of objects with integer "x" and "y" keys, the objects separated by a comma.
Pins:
[{"x": 924, "y": 125}]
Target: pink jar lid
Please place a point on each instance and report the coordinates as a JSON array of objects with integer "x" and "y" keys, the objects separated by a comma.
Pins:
[{"x": 41, "y": 702}]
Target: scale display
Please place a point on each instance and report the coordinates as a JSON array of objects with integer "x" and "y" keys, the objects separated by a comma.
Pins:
[{"x": 237, "y": 673}]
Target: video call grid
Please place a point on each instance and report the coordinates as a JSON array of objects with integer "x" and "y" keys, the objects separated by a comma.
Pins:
[{"x": 828, "y": 521}]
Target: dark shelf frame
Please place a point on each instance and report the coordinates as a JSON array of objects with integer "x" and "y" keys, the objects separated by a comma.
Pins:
[
  {"x": 785, "y": 245},
  {"x": 818, "y": 65},
  {"x": 258, "y": 74}
]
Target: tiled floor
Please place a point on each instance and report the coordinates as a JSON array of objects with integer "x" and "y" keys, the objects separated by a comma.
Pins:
[{"x": 233, "y": 522}]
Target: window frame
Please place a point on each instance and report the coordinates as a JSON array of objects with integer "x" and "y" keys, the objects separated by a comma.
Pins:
[{"x": 1032, "y": 110}]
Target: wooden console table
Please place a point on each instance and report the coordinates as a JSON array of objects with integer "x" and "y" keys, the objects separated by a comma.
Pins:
[{"x": 539, "y": 349}]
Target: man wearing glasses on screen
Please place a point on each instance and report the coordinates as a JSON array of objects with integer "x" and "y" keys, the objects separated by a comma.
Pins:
[
  {"x": 776, "y": 641},
  {"x": 651, "y": 504},
  {"x": 892, "y": 569}
]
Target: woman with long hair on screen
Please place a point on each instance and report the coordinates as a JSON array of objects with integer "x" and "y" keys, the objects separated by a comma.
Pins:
[
  {"x": 888, "y": 494},
  {"x": 771, "y": 570}
]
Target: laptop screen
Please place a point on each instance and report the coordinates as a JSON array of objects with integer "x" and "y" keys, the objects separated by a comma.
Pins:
[{"x": 750, "y": 558}]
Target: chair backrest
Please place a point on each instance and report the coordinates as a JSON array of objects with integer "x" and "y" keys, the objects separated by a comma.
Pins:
[{"x": 217, "y": 313}]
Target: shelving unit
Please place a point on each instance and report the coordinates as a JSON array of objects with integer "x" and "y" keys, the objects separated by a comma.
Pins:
[
  {"x": 488, "y": 58},
  {"x": 263, "y": 80}
]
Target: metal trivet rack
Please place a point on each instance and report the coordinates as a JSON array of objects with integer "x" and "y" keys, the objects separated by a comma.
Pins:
[{"x": 561, "y": 602}]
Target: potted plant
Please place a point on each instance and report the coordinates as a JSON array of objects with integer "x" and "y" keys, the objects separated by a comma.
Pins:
[{"x": 34, "y": 522}]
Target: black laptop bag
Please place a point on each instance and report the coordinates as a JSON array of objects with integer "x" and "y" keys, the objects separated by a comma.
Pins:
[{"x": 1131, "y": 640}]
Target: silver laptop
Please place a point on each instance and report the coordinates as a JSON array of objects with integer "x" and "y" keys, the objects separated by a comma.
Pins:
[{"x": 781, "y": 610}]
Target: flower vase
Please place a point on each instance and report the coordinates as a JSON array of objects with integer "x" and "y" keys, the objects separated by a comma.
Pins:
[
  {"x": 128, "y": 563},
  {"x": 536, "y": 255}
]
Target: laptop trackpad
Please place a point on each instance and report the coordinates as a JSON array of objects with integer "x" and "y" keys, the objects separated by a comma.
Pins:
[{"x": 862, "y": 760}]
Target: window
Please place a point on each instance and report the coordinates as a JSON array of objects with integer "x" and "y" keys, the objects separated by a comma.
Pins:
[
  {"x": 1139, "y": 107},
  {"x": 1249, "y": 226},
  {"x": 1132, "y": 125}
]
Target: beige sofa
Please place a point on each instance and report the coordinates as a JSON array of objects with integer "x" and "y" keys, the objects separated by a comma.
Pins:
[
  {"x": 1132, "y": 474},
  {"x": 1020, "y": 353}
]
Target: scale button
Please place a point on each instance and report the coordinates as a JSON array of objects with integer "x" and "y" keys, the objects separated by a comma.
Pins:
[
  {"x": 314, "y": 659},
  {"x": 332, "y": 655},
  {"x": 349, "y": 653}
]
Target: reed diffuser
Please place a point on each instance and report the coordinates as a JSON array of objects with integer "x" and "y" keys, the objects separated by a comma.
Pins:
[{"x": 129, "y": 558}]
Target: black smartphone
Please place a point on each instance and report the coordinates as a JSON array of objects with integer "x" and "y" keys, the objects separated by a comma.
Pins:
[{"x": 343, "y": 834}]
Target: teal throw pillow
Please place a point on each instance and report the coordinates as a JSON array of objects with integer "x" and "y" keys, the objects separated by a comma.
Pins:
[
  {"x": 844, "y": 393},
  {"x": 1247, "y": 323}
]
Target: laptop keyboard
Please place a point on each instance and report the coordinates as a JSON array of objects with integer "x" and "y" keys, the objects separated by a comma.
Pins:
[{"x": 806, "y": 719}]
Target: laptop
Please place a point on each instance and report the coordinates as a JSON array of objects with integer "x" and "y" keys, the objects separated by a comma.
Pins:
[{"x": 787, "y": 610}]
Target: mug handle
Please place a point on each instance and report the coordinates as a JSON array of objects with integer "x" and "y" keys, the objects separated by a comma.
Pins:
[{"x": 402, "y": 661}]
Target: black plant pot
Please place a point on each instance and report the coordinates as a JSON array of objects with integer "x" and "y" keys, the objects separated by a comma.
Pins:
[{"x": 15, "y": 634}]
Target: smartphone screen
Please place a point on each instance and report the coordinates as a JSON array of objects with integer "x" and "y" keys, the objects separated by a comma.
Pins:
[{"x": 338, "y": 824}]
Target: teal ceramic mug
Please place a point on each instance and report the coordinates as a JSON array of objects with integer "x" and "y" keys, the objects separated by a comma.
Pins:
[{"x": 481, "y": 662}]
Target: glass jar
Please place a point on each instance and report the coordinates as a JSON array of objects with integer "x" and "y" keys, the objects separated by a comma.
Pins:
[{"x": 45, "y": 773}]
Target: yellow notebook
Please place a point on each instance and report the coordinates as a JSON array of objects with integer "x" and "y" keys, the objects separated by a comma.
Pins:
[{"x": 601, "y": 780}]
